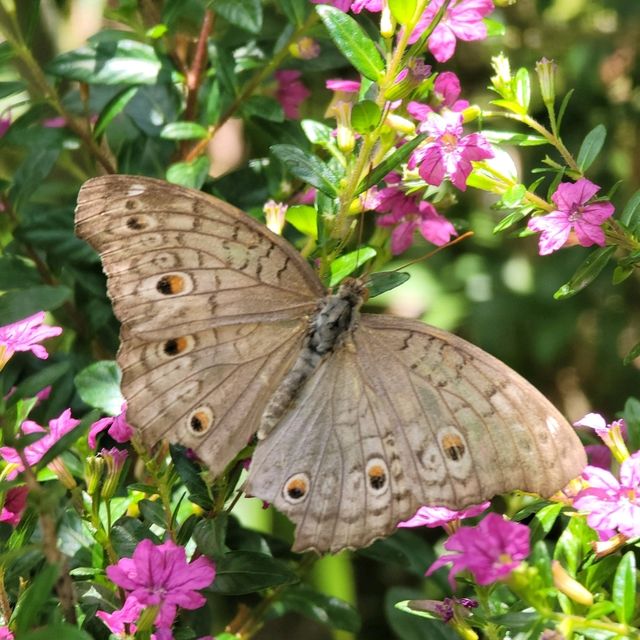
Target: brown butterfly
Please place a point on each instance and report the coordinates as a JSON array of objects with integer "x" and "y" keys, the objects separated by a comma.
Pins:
[{"x": 227, "y": 332}]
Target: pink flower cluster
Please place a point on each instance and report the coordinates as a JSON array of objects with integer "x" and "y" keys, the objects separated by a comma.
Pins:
[
  {"x": 25, "y": 335},
  {"x": 157, "y": 576},
  {"x": 117, "y": 427}
]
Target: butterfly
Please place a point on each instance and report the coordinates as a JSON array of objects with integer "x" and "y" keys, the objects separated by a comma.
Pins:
[{"x": 226, "y": 331}]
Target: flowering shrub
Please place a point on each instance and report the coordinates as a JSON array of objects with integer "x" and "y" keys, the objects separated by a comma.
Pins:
[{"x": 367, "y": 135}]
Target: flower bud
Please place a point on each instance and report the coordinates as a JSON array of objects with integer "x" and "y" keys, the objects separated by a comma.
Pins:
[
  {"x": 569, "y": 586},
  {"x": 387, "y": 22},
  {"x": 502, "y": 80},
  {"x": 305, "y": 48},
  {"x": 93, "y": 469},
  {"x": 546, "y": 70},
  {"x": 63, "y": 474},
  {"x": 114, "y": 460},
  {"x": 274, "y": 212}
]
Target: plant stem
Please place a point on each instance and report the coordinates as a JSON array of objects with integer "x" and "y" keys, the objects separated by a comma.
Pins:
[{"x": 199, "y": 148}]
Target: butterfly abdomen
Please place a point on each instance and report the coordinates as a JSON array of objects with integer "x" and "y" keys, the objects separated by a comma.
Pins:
[{"x": 335, "y": 318}]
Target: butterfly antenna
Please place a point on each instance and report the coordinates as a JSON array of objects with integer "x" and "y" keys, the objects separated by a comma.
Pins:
[{"x": 464, "y": 236}]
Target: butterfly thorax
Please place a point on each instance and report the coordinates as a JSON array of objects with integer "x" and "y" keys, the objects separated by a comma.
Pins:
[{"x": 330, "y": 328}]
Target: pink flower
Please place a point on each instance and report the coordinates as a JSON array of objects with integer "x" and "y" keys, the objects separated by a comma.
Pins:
[
  {"x": 117, "y": 426},
  {"x": 14, "y": 505},
  {"x": 34, "y": 452},
  {"x": 5, "y": 634},
  {"x": 24, "y": 335},
  {"x": 291, "y": 93},
  {"x": 442, "y": 516},
  {"x": 573, "y": 212},
  {"x": 160, "y": 575},
  {"x": 5, "y": 123},
  {"x": 343, "y": 5},
  {"x": 612, "y": 505},
  {"x": 407, "y": 214},
  {"x": 490, "y": 551},
  {"x": 343, "y": 86},
  {"x": 446, "y": 91},
  {"x": 447, "y": 153},
  {"x": 117, "y": 620},
  {"x": 462, "y": 19}
]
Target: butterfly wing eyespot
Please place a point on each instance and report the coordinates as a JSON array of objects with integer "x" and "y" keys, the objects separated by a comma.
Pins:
[
  {"x": 200, "y": 420},
  {"x": 173, "y": 284},
  {"x": 296, "y": 488},
  {"x": 453, "y": 446},
  {"x": 179, "y": 346},
  {"x": 377, "y": 475}
]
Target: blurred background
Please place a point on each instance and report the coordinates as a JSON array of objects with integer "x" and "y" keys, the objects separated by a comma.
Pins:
[{"x": 493, "y": 290}]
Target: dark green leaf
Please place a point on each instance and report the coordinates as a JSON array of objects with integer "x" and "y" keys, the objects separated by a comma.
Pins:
[
  {"x": 38, "y": 381},
  {"x": 189, "y": 174},
  {"x": 403, "y": 10},
  {"x": 591, "y": 146},
  {"x": 11, "y": 87},
  {"x": 99, "y": 386},
  {"x": 322, "y": 608},
  {"x": 263, "y": 107},
  {"x": 624, "y": 588},
  {"x": 246, "y": 14},
  {"x": 365, "y": 116},
  {"x": 191, "y": 474},
  {"x": 28, "y": 177},
  {"x": 633, "y": 353},
  {"x": 18, "y": 305},
  {"x": 563, "y": 106},
  {"x": 631, "y": 414},
  {"x": 390, "y": 163},
  {"x": 511, "y": 219},
  {"x": 17, "y": 273},
  {"x": 32, "y": 601},
  {"x": 352, "y": 41},
  {"x": 127, "y": 534},
  {"x": 58, "y": 630},
  {"x": 307, "y": 167},
  {"x": 345, "y": 265},
  {"x": 113, "y": 108},
  {"x": 153, "y": 513},
  {"x": 118, "y": 62},
  {"x": 210, "y": 536},
  {"x": 183, "y": 131},
  {"x": 586, "y": 273},
  {"x": 404, "y": 548},
  {"x": 295, "y": 10},
  {"x": 240, "y": 572},
  {"x": 544, "y": 520},
  {"x": 620, "y": 274},
  {"x": 630, "y": 216},
  {"x": 385, "y": 281}
]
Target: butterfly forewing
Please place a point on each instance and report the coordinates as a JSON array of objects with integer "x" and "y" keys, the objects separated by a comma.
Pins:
[{"x": 213, "y": 308}]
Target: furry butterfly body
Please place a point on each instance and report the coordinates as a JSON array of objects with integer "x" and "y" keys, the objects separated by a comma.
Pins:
[{"x": 226, "y": 331}]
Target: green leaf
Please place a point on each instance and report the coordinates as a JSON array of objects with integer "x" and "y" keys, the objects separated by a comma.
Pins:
[
  {"x": 29, "y": 176},
  {"x": 58, "y": 630},
  {"x": 210, "y": 535},
  {"x": 624, "y": 588},
  {"x": 189, "y": 174},
  {"x": 523, "y": 88},
  {"x": 544, "y": 520},
  {"x": 365, "y": 116},
  {"x": 99, "y": 386},
  {"x": 403, "y": 10},
  {"x": 344, "y": 265},
  {"x": 246, "y": 14},
  {"x": 510, "y": 219},
  {"x": 389, "y": 163},
  {"x": 10, "y": 87},
  {"x": 621, "y": 273},
  {"x": 32, "y": 601},
  {"x": 43, "y": 378},
  {"x": 591, "y": 146},
  {"x": 295, "y": 10},
  {"x": 634, "y": 353},
  {"x": 303, "y": 218},
  {"x": 513, "y": 196},
  {"x": 385, "y": 281},
  {"x": 404, "y": 548},
  {"x": 600, "y": 610},
  {"x": 183, "y": 131},
  {"x": 417, "y": 608},
  {"x": 18, "y": 305},
  {"x": 317, "y": 133},
  {"x": 263, "y": 107},
  {"x": 586, "y": 273},
  {"x": 494, "y": 28},
  {"x": 511, "y": 137},
  {"x": 153, "y": 513},
  {"x": 307, "y": 167},
  {"x": 630, "y": 216},
  {"x": 563, "y": 107},
  {"x": 352, "y": 41},
  {"x": 113, "y": 108},
  {"x": 631, "y": 414},
  {"x": 119, "y": 62},
  {"x": 16, "y": 272},
  {"x": 241, "y": 572},
  {"x": 191, "y": 475},
  {"x": 574, "y": 544},
  {"x": 322, "y": 608}
]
